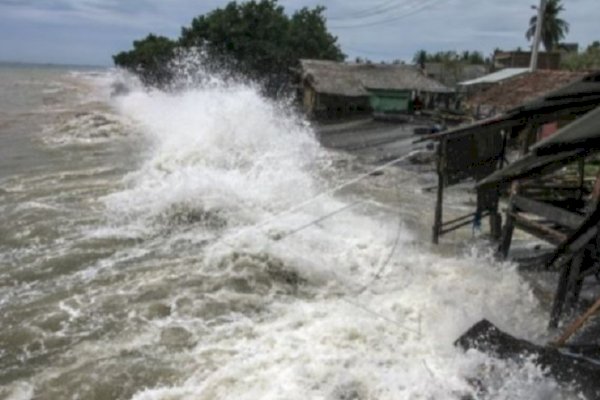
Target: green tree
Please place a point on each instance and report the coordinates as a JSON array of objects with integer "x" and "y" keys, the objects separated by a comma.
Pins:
[
  {"x": 256, "y": 38},
  {"x": 261, "y": 39},
  {"x": 420, "y": 58},
  {"x": 585, "y": 61},
  {"x": 554, "y": 29},
  {"x": 149, "y": 59},
  {"x": 309, "y": 38}
]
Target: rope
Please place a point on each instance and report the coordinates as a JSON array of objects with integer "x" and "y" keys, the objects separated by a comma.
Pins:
[
  {"x": 392, "y": 251},
  {"x": 316, "y": 221},
  {"x": 379, "y": 315},
  {"x": 350, "y": 291},
  {"x": 313, "y": 199}
]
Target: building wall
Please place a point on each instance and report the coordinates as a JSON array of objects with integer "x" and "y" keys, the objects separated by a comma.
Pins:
[
  {"x": 308, "y": 100},
  {"x": 391, "y": 101},
  {"x": 522, "y": 59},
  {"x": 322, "y": 106}
]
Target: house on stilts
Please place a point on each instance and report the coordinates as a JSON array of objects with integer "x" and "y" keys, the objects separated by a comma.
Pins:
[{"x": 556, "y": 130}]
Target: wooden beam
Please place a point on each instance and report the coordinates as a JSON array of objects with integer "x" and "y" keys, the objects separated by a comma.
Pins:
[
  {"x": 538, "y": 230},
  {"x": 576, "y": 325},
  {"x": 459, "y": 219},
  {"x": 574, "y": 372},
  {"x": 550, "y": 212},
  {"x": 460, "y": 225}
]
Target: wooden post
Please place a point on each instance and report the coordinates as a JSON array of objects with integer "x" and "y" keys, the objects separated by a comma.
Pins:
[
  {"x": 575, "y": 281},
  {"x": 561, "y": 293},
  {"x": 581, "y": 168},
  {"x": 495, "y": 217},
  {"x": 509, "y": 225},
  {"x": 441, "y": 166},
  {"x": 595, "y": 198},
  {"x": 506, "y": 238},
  {"x": 495, "y": 224}
]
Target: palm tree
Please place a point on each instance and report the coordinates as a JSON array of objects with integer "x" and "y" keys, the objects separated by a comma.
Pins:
[{"x": 554, "y": 28}]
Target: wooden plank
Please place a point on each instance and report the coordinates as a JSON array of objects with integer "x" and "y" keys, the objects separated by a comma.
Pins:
[
  {"x": 577, "y": 324},
  {"x": 550, "y": 212},
  {"x": 459, "y": 219},
  {"x": 460, "y": 225},
  {"x": 538, "y": 230},
  {"x": 573, "y": 372}
]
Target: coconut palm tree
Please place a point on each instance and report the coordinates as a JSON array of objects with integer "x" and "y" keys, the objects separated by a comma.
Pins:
[{"x": 553, "y": 29}]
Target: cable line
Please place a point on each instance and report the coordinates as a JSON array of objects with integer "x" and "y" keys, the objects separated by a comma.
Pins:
[
  {"x": 393, "y": 19},
  {"x": 384, "y": 8}
]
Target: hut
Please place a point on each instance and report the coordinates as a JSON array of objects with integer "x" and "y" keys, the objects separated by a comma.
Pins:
[
  {"x": 477, "y": 150},
  {"x": 563, "y": 213},
  {"x": 567, "y": 217},
  {"x": 337, "y": 90}
]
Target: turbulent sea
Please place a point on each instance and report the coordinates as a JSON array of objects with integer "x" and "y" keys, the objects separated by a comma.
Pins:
[{"x": 160, "y": 245}]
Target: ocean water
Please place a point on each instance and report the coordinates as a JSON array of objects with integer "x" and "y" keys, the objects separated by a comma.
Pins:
[{"x": 174, "y": 245}]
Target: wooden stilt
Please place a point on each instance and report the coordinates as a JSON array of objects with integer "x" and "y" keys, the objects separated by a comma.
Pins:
[
  {"x": 495, "y": 225},
  {"x": 581, "y": 168},
  {"x": 561, "y": 293},
  {"x": 527, "y": 135},
  {"x": 578, "y": 324},
  {"x": 574, "y": 285},
  {"x": 437, "y": 223},
  {"x": 509, "y": 225}
]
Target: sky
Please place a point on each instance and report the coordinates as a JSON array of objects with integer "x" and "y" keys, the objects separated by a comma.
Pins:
[{"x": 89, "y": 32}]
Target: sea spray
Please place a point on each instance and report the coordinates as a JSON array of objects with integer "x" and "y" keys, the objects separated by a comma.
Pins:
[
  {"x": 218, "y": 147},
  {"x": 160, "y": 278}
]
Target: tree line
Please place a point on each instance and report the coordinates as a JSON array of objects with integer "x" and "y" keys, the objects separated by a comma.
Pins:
[
  {"x": 422, "y": 57},
  {"x": 256, "y": 38}
]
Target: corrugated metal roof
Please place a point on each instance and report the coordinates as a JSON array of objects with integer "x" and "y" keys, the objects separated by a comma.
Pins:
[
  {"x": 354, "y": 80},
  {"x": 496, "y": 77}
]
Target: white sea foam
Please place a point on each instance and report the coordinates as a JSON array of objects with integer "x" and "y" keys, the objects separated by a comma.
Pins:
[
  {"x": 222, "y": 149},
  {"x": 355, "y": 309}
]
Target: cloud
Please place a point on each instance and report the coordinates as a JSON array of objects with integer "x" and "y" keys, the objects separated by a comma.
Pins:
[
  {"x": 377, "y": 29},
  {"x": 138, "y": 14}
]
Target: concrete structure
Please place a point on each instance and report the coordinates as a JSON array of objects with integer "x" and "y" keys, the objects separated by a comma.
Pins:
[{"x": 522, "y": 59}]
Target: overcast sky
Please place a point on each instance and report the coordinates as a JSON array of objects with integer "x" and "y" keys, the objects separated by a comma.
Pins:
[{"x": 90, "y": 31}]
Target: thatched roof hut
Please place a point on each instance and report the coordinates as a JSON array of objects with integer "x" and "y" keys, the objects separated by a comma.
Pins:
[{"x": 354, "y": 80}]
